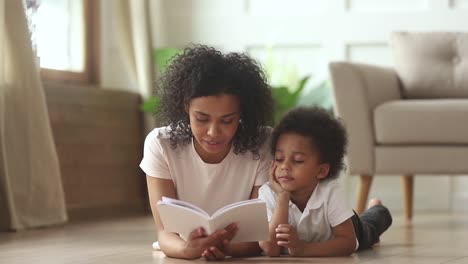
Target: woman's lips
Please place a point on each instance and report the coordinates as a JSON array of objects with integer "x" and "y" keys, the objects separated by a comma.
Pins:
[{"x": 212, "y": 144}]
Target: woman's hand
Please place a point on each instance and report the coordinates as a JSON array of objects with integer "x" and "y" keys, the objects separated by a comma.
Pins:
[
  {"x": 288, "y": 238},
  {"x": 216, "y": 253},
  {"x": 220, "y": 251},
  {"x": 210, "y": 247}
]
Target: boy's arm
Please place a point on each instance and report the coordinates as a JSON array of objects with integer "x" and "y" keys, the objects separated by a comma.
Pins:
[
  {"x": 280, "y": 216},
  {"x": 343, "y": 243}
]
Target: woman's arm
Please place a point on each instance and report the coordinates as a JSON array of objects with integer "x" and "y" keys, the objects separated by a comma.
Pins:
[
  {"x": 171, "y": 244},
  {"x": 343, "y": 243}
]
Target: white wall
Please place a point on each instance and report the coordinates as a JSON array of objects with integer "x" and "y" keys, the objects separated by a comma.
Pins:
[{"x": 311, "y": 33}]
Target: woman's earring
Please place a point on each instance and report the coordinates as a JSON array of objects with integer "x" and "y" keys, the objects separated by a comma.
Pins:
[{"x": 241, "y": 124}]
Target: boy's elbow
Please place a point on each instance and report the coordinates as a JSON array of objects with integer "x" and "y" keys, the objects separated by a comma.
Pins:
[
  {"x": 269, "y": 250},
  {"x": 343, "y": 252},
  {"x": 349, "y": 250},
  {"x": 272, "y": 253}
]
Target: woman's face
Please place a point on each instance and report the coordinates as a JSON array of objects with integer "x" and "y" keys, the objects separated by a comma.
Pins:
[{"x": 214, "y": 121}]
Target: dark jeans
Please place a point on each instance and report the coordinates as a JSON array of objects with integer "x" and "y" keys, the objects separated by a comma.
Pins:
[{"x": 370, "y": 225}]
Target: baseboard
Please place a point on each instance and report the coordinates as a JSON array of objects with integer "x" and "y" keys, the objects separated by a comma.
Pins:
[
  {"x": 459, "y": 202},
  {"x": 93, "y": 213}
]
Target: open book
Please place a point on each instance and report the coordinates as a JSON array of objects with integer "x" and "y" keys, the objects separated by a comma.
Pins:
[{"x": 183, "y": 217}]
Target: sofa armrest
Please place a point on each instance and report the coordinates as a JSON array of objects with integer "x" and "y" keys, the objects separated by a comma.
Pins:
[{"x": 358, "y": 89}]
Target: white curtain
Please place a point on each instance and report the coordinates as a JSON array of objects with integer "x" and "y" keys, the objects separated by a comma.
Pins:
[
  {"x": 31, "y": 193},
  {"x": 132, "y": 27}
]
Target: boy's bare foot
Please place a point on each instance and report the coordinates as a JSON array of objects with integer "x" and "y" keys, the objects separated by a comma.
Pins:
[{"x": 374, "y": 202}]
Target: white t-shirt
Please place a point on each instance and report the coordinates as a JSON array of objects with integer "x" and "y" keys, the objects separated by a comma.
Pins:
[
  {"x": 209, "y": 186},
  {"x": 325, "y": 209}
]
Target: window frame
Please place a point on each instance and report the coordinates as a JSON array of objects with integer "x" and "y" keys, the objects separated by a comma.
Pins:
[{"x": 90, "y": 74}]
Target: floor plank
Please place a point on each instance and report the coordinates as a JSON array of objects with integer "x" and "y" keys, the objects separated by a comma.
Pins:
[{"x": 431, "y": 238}]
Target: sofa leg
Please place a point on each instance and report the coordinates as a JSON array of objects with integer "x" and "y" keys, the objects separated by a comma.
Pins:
[
  {"x": 364, "y": 187},
  {"x": 408, "y": 186}
]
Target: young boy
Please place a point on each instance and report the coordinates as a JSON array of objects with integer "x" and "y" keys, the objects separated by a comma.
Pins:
[{"x": 308, "y": 215}]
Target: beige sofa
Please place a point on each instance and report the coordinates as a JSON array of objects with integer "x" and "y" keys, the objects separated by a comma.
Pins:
[{"x": 410, "y": 119}]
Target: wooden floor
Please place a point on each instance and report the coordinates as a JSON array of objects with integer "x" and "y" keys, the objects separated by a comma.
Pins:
[{"x": 432, "y": 238}]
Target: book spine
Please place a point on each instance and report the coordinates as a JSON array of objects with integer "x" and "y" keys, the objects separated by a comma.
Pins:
[{"x": 211, "y": 226}]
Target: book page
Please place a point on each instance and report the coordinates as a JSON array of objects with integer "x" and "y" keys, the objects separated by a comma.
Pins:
[
  {"x": 236, "y": 204},
  {"x": 250, "y": 216},
  {"x": 168, "y": 200},
  {"x": 182, "y": 220}
]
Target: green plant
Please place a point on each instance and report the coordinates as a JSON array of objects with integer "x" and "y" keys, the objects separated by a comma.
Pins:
[
  {"x": 289, "y": 91},
  {"x": 162, "y": 58},
  {"x": 319, "y": 95},
  {"x": 286, "y": 98}
]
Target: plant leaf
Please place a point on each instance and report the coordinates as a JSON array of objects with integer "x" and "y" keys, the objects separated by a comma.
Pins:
[
  {"x": 301, "y": 85},
  {"x": 163, "y": 57},
  {"x": 284, "y": 100},
  {"x": 151, "y": 105},
  {"x": 318, "y": 96}
]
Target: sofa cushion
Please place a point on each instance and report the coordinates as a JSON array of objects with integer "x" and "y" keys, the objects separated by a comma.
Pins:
[
  {"x": 442, "y": 121},
  {"x": 438, "y": 160},
  {"x": 431, "y": 64}
]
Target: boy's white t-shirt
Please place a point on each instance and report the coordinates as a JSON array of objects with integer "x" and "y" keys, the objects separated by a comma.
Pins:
[
  {"x": 325, "y": 209},
  {"x": 209, "y": 186}
]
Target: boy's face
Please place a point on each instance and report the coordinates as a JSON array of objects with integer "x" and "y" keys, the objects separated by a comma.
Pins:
[
  {"x": 298, "y": 167},
  {"x": 214, "y": 121}
]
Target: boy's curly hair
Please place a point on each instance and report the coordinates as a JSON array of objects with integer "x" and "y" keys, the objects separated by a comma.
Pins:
[
  {"x": 203, "y": 71},
  {"x": 325, "y": 132}
]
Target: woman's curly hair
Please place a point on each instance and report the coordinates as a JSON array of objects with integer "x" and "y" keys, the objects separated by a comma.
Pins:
[
  {"x": 326, "y": 134},
  {"x": 203, "y": 71}
]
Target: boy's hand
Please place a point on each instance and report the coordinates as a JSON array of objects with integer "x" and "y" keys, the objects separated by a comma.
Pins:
[
  {"x": 274, "y": 184},
  {"x": 288, "y": 238}
]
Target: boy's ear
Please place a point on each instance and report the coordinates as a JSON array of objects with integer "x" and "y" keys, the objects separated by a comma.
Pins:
[{"x": 323, "y": 171}]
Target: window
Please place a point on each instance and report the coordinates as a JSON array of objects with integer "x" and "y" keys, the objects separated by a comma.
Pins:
[{"x": 65, "y": 38}]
